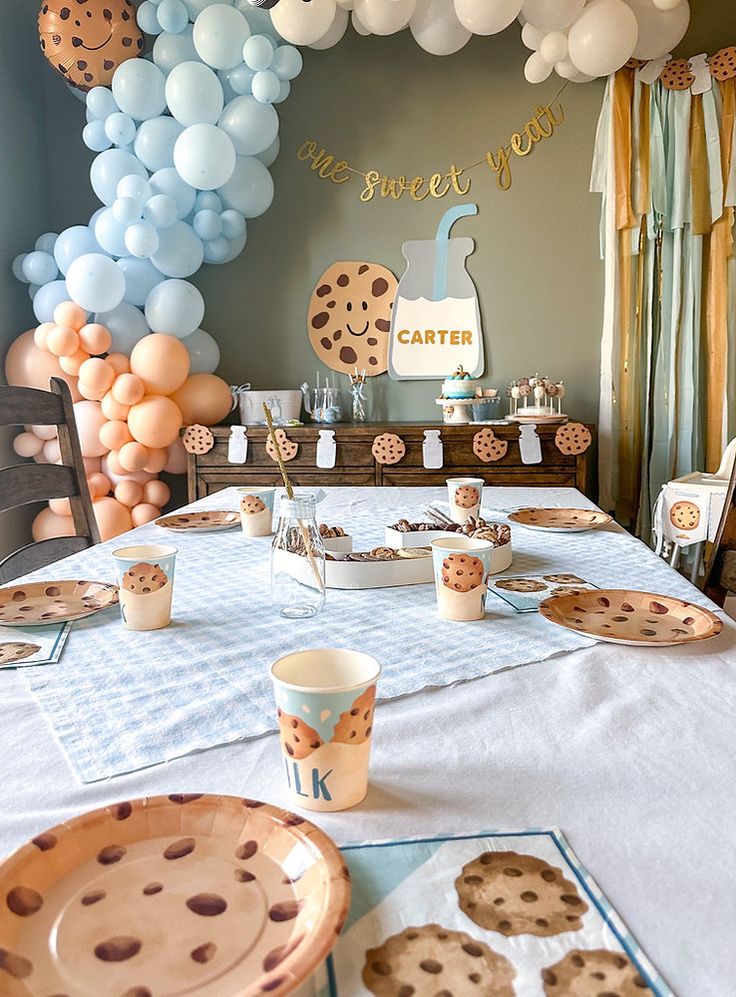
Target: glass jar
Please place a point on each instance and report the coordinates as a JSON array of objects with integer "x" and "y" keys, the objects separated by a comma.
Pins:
[{"x": 297, "y": 559}]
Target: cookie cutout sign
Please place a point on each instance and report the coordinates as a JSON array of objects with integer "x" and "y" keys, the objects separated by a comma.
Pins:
[{"x": 350, "y": 316}]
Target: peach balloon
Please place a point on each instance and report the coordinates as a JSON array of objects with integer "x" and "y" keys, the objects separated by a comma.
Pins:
[
  {"x": 39, "y": 458},
  {"x": 62, "y": 341},
  {"x": 95, "y": 338},
  {"x": 114, "y": 410},
  {"x": 113, "y": 466},
  {"x": 45, "y": 432},
  {"x": 41, "y": 334},
  {"x": 27, "y": 445},
  {"x": 91, "y": 394},
  {"x": 156, "y": 493},
  {"x": 119, "y": 362},
  {"x": 91, "y": 464},
  {"x": 117, "y": 476},
  {"x": 203, "y": 398},
  {"x": 71, "y": 365},
  {"x": 176, "y": 462},
  {"x": 115, "y": 434},
  {"x": 144, "y": 513},
  {"x": 60, "y": 506},
  {"x": 90, "y": 421},
  {"x": 112, "y": 517},
  {"x": 96, "y": 373},
  {"x": 51, "y": 451},
  {"x": 133, "y": 456},
  {"x": 68, "y": 313},
  {"x": 128, "y": 389},
  {"x": 48, "y": 525},
  {"x": 157, "y": 460},
  {"x": 30, "y": 367},
  {"x": 99, "y": 484},
  {"x": 128, "y": 493},
  {"x": 161, "y": 361},
  {"x": 155, "y": 421}
]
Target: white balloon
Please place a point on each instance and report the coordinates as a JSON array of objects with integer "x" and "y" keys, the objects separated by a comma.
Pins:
[
  {"x": 194, "y": 94},
  {"x": 251, "y": 125},
  {"x": 303, "y": 23},
  {"x": 666, "y": 4},
  {"x": 346, "y": 4},
  {"x": 553, "y": 47},
  {"x": 484, "y": 18},
  {"x": 384, "y": 17},
  {"x": 204, "y": 353},
  {"x": 337, "y": 30},
  {"x": 536, "y": 69},
  {"x": 358, "y": 26},
  {"x": 659, "y": 30},
  {"x": 219, "y": 34},
  {"x": 603, "y": 37},
  {"x": 436, "y": 28},
  {"x": 531, "y": 36},
  {"x": 204, "y": 157},
  {"x": 249, "y": 190},
  {"x": 570, "y": 72},
  {"x": 552, "y": 15}
]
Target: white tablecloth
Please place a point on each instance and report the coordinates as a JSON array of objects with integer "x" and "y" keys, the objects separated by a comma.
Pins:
[{"x": 631, "y": 752}]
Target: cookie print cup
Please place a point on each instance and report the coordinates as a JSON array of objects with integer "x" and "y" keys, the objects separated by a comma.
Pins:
[
  {"x": 461, "y": 569},
  {"x": 256, "y": 511},
  {"x": 325, "y": 701},
  {"x": 145, "y": 575},
  {"x": 464, "y": 496}
]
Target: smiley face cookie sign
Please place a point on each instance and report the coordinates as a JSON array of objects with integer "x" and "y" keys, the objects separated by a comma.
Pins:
[{"x": 350, "y": 316}]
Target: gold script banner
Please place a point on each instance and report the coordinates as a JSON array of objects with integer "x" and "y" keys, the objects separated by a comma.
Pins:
[{"x": 541, "y": 125}]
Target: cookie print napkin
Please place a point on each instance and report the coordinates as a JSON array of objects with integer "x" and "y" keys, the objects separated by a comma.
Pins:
[
  {"x": 512, "y": 913},
  {"x": 32, "y": 645},
  {"x": 524, "y": 593}
]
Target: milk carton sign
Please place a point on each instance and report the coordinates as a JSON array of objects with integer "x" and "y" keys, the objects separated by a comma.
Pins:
[{"x": 435, "y": 322}]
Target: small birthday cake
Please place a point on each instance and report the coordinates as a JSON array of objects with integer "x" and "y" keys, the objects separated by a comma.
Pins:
[{"x": 459, "y": 385}]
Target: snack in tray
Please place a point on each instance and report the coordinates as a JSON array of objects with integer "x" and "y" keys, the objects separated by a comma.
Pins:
[
  {"x": 414, "y": 552},
  {"x": 520, "y": 585},
  {"x": 497, "y": 533},
  {"x": 593, "y": 972},
  {"x": 519, "y": 895},
  {"x": 328, "y": 532},
  {"x": 404, "y": 526},
  {"x": 435, "y": 960},
  {"x": 377, "y": 554}
]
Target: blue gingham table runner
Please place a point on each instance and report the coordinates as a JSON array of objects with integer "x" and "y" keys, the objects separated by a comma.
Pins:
[{"x": 120, "y": 701}]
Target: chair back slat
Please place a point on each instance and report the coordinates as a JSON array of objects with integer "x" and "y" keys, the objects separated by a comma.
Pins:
[
  {"x": 720, "y": 571},
  {"x": 22, "y": 484},
  {"x": 30, "y": 407},
  {"x": 38, "y": 555}
]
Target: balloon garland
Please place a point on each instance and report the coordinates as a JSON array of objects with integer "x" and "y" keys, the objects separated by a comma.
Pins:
[{"x": 184, "y": 141}]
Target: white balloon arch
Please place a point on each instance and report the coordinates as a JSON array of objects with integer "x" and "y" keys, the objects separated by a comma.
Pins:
[{"x": 184, "y": 141}]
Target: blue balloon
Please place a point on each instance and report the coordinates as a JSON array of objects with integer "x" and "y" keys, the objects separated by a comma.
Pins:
[
  {"x": 46, "y": 242},
  {"x": 18, "y": 268},
  {"x": 47, "y": 298},
  {"x": 216, "y": 251},
  {"x": 168, "y": 181},
  {"x": 160, "y": 211},
  {"x": 127, "y": 325},
  {"x": 208, "y": 226},
  {"x": 95, "y": 282},
  {"x": 207, "y": 200},
  {"x": 33, "y": 290},
  {"x": 204, "y": 353},
  {"x": 40, "y": 268},
  {"x": 257, "y": 52},
  {"x": 173, "y": 16},
  {"x": 266, "y": 87},
  {"x": 101, "y": 103},
  {"x": 287, "y": 62},
  {"x": 110, "y": 233},
  {"x": 138, "y": 88},
  {"x": 109, "y": 168},
  {"x": 195, "y": 7},
  {"x": 283, "y": 92},
  {"x": 142, "y": 240},
  {"x": 176, "y": 307},
  {"x": 120, "y": 128},
  {"x": 141, "y": 276},
  {"x": 171, "y": 50},
  {"x": 269, "y": 155},
  {"x": 236, "y": 247},
  {"x": 239, "y": 79},
  {"x": 250, "y": 189},
  {"x": 95, "y": 137},
  {"x": 73, "y": 243},
  {"x": 134, "y": 187},
  {"x": 148, "y": 18},
  {"x": 233, "y": 224},
  {"x": 154, "y": 143},
  {"x": 259, "y": 20},
  {"x": 180, "y": 253},
  {"x": 126, "y": 210}
]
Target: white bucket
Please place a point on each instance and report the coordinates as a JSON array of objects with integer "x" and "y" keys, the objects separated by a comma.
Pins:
[{"x": 285, "y": 405}]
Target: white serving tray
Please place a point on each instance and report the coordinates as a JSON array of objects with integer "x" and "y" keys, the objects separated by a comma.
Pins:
[
  {"x": 417, "y": 538},
  {"x": 342, "y": 574}
]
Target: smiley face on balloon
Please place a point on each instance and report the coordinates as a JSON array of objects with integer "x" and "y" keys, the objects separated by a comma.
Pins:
[{"x": 86, "y": 40}]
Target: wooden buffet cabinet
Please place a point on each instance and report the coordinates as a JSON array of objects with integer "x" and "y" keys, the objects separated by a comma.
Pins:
[{"x": 356, "y": 464}]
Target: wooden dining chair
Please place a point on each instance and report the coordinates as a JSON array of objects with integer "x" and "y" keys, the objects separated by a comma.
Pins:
[
  {"x": 24, "y": 484},
  {"x": 720, "y": 571}
]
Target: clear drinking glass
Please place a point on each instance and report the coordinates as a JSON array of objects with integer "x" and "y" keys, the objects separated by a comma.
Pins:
[{"x": 297, "y": 559}]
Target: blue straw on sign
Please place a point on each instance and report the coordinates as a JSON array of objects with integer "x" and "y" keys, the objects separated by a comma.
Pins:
[{"x": 443, "y": 245}]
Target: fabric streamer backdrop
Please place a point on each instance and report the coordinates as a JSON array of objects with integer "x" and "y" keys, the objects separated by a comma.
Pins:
[{"x": 663, "y": 163}]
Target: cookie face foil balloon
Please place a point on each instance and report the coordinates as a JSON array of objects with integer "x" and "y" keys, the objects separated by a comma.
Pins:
[
  {"x": 350, "y": 317},
  {"x": 86, "y": 40}
]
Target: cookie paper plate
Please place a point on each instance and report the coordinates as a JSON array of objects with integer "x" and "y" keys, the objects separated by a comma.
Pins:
[
  {"x": 40, "y": 603},
  {"x": 621, "y": 616},
  {"x": 216, "y": 896},
  {"x": 210, "y": 521},
  {"x": 560, "y": 520}
]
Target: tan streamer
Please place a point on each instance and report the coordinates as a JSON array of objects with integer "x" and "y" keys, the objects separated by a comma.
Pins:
[
  {"x": 642, "y": 205},
  {"x": 623, "y": 89},
  {"x": 699, "y": 176}
]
